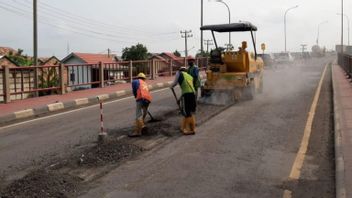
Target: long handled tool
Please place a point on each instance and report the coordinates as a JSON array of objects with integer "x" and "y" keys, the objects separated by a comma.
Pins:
[
  {"x": 177, "y": 101},
  {"x": 152, "y": 119}
]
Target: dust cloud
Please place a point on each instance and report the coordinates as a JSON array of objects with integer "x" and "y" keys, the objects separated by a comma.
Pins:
[{"x": 284, "y": 81}]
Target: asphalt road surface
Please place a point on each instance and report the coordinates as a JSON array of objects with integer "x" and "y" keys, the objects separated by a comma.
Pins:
[{"x": 248, "y": 150}]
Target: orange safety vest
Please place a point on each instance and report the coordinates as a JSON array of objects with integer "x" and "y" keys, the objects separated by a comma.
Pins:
[{"x": 143, "y": 91}]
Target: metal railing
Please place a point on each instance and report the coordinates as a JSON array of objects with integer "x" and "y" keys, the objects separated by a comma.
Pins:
[
  {"x": 345, "y": 61},
  {"x": 30, "y": 81}
]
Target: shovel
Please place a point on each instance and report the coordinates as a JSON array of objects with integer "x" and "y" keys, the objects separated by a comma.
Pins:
[
  {"x": 152, "y": 119},
  {"x": 177, "y": 101}
]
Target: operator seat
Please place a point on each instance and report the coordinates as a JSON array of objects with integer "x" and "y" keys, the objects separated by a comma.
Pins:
[{"x": 215, "y": 56}]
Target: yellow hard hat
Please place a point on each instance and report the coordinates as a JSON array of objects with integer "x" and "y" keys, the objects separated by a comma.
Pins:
[{"x": 141, "y": 75}]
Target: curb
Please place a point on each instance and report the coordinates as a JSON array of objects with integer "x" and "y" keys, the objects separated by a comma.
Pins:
[
  {"x": 339, "y": 160},
  {"x": 60, "y": 106}
]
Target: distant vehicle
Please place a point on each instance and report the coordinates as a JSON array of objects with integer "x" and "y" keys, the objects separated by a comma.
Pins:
[
  {"x": 284, "y": 57},
  {"x": 306, "y": 55},
  {"x": 317, "y": 51},
  {"x": 268, "y": 59}
]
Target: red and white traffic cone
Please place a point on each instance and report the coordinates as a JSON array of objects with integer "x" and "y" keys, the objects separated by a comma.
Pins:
[{"x": 102, "y": 134}]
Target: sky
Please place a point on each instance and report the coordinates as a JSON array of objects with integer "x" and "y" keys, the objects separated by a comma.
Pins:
[{"x": 94, "y": 26}]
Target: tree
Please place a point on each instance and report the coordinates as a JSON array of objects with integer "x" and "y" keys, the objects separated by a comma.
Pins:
[
  {"x": 203, "y": 54},
  {"x": 19, "y": 52},
  {"x": 135, "y": 52},
  {"x": 19, "y": 58},
  {"x": 177, "y": 53}
]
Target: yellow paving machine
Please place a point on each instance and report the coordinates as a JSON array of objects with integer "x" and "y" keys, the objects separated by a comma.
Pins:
[{"x": 232, "y": 75}]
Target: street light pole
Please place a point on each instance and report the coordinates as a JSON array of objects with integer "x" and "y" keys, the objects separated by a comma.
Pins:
[
  {"x": 341, "y": 26},
  {"x": 228, "y": 9},
  {"x": 319, "y": 30},
  {"x": 285, "y": 24},
  {"x": 348, "y": 26}
]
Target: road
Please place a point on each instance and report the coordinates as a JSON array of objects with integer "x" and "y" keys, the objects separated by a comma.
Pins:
[
  {"x": 26, "y": 146},
  {"x": 248, "y": 150}
]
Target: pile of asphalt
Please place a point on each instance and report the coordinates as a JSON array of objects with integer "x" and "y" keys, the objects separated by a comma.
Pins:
[
  {"x": 58, "y": 178},
  {"x": 111, "y": 151},
  {"x": 42, "y": 183}
]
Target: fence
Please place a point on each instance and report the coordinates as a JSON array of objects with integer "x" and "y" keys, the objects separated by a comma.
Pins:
[
  {"x": 32, "y": 81},
  {"x": 345, "y": 61}
]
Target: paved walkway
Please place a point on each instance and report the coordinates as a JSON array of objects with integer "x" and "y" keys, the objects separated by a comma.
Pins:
[
  {"x": 33, "y": 104},
  {"x": 343, "y": 132}
]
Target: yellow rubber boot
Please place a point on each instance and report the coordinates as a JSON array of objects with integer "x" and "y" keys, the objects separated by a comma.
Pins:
[
  {"x": 188, "y": 126},
  {"x": 138, "y": 129},
  {"x": 141, "y": 124},
  {"x": 193, "y": 124},
  {"x": 184, "y": 126}
]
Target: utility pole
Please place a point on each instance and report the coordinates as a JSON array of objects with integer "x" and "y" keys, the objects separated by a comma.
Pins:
[
  {"x": 109, "y": 52},
  {"x": 35, "y": 34},
  {"x": 35, "y": 45},
  {"x": 208, "y": 42},
  {"x": 201, "y": 25},
  {"x": 186, "y": 34}
]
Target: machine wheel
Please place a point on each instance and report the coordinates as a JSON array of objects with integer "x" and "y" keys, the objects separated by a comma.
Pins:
[
  {"x": 249, "y": 92},
  {"x": 204, "y": 92}
]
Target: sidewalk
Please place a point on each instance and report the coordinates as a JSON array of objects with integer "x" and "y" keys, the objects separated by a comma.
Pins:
[
  {"x": 343, "y": 131},
  {"x": 20, "y": 109}
]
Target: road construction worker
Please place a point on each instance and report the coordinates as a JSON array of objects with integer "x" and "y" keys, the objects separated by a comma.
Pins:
[
  {"x": 143, "y": 98},
  {"x": 243, "y": 47},
  {"x": 187, "y": 101},
  {"x": 193, "y": 70}
]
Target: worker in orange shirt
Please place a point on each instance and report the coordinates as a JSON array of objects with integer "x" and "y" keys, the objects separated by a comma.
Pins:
[{"x": 143, "y": 99}]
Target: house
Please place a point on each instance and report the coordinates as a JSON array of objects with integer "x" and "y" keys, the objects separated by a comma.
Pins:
[
  {"x": 20, "y": 80},
  {"x": 6, "y": 61},
  {"x": 163, "y": 62},
  {"x": 81, "y": 75},
  {"x": 6, "y": 51},
  {"x": 49, "y": 61},
  {"x": 177, "y": 61}
]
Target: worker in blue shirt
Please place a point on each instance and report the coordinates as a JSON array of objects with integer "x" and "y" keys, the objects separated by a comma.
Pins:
[{"x": 193, "y": 70}]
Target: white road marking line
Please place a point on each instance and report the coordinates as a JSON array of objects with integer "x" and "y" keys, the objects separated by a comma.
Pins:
[{"x": 68, "y": 112}]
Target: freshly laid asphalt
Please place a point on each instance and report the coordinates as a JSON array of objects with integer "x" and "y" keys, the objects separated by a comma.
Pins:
[{"x": 245, "y": 151}]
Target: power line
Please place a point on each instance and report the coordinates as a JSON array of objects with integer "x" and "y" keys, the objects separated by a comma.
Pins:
[
  {"x": 93, "y": 22},
  {"x": 82, "y": 26},
  {"x": 186, "y": 34},
  {"x": 25, "y": 15}
]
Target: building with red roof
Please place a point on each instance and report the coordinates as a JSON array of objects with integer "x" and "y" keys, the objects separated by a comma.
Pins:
[
  {"x": 83, "y": 74},
  {"x": 88, "y": 58}
]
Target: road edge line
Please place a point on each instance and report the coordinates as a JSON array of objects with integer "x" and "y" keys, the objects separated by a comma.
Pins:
[
  {"x": 340, "y": 189},
  {"x": 295, "y": 172}
]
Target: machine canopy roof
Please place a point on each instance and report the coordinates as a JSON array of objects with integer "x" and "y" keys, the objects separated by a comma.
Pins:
[{"x": 232, "y": 27}]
